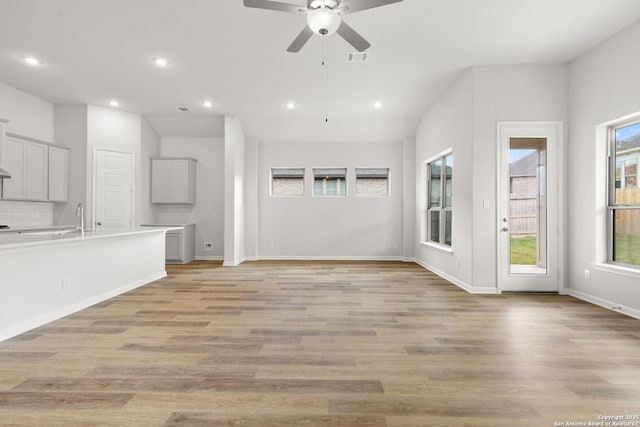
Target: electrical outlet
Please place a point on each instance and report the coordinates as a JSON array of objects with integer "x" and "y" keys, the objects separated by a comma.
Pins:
[
  {"x": 587, "y": 274},
  {"x": 208, "y": 246}
]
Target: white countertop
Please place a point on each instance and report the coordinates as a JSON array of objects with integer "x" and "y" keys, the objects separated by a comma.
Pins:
[
  {"x": 38, "y": 236},
  {"x": 168, "y": 225}
]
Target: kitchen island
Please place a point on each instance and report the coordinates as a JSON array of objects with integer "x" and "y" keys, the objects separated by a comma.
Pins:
[{"x": 46, "y": 274}]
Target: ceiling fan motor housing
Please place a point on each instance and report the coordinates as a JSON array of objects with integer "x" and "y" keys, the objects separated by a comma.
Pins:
[
  {"x": 317, "y": 4},
  {"x": 323, "y": 21}
]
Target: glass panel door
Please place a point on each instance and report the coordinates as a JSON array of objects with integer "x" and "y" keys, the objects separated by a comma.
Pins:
[{"x": 527, "y": 206}]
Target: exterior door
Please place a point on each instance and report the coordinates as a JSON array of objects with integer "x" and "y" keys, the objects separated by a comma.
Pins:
[
  {"x": 114, "y": 189},
  {"x": 528, "y": 206}
]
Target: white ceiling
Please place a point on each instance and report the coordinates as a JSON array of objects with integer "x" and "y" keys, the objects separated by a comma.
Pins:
[{"x": 96, "y": 50}]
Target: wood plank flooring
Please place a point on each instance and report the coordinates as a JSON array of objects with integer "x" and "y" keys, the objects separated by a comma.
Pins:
[{"x": 322, "y": 344}]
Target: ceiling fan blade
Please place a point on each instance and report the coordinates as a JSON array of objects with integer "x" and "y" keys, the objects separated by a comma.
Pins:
[
  {"x": 302, "y": 38},
  {"x": 351, "y": 6},
  {"x": 352, "y": 37},
  {"x": 274, "y": 5}
]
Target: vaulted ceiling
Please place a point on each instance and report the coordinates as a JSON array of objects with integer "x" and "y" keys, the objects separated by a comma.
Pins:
[{"x": 92, "y": 51}]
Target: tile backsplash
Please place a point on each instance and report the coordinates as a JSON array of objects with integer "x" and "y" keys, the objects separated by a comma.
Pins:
[
  {"x": 20, "y": 214},
  {"x": 176, "y": 214}
]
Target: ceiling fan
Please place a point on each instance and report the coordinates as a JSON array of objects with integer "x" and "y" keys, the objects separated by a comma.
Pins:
[{"x": 324, "y": 17}]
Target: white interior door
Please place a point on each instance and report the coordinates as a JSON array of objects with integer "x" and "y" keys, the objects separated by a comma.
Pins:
[
  {"x": 114, "y": 189},
  {"x": 528, "y": 206}
]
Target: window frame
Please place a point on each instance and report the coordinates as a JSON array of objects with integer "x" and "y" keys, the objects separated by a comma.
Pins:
[
  {"x": 612, "y": 206},
  {"x": 271, "y": 180},
  {"x": 442, "y": 209},
  {"x": 340, "y": 181},
  {"x": 385, "y": 177}
]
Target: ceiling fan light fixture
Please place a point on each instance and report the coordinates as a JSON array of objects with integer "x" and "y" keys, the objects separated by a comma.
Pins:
[{"x": 323, "y": 21}]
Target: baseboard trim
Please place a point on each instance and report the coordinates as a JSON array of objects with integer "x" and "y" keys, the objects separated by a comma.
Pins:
[
  {"x": 73, "y": 308},
  {"x": 233, "y": 263},
  {"x": 609, "y": 305},
  {"x": 208, "y": 258},
  {"x": 329, "y": 258},
  {"x": 459, "y": 283}
]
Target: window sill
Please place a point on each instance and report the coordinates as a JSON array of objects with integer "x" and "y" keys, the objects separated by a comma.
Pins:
[
  {"x": 446, "y": 249},
  {"x": 618, "y": 269}
]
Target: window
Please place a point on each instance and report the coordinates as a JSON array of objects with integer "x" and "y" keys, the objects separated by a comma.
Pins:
[
  {"x": 372, "y": 182},
  {"x": 287, "y": 182},
  {"x": 439, "y": 196},
  {"x": 330, "y": 182},
  {"x": 624, "y": 194}
]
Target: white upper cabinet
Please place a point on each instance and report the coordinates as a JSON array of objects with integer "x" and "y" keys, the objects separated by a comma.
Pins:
[
  {"x": 173, "y": 180},
  {"x": 39, "y": 171},
  {"x": 3, "y": 123},
  {"x": 36, "y": 175},
  {"x": 58, "y": 174},
  {"x": 13, "y": 160}
]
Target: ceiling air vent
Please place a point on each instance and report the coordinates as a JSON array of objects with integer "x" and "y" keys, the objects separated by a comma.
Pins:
[
  {"x": 357, "y": 56},
  {"x": 184, "y": 109}
]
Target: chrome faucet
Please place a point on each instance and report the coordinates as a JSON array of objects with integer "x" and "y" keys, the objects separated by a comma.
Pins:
[{"x": 80, "y": 213}]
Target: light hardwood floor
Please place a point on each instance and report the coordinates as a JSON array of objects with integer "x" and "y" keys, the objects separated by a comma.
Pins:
[{"x": 321, "y": 344}]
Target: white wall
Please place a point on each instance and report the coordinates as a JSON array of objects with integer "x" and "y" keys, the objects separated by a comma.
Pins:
[
  {"x": 71, "y": 132},
  {"x": 510, "y": 92},
  {"x": 409, "y": 198},
  {"x": 251, "y": 198},
  {"x": 149, "y": 147},
  {"x": 603, "y": 87},
  {"x": 234, "y": 208},
  {"x": 119, "y": 130},
  {"x": 331, "y": 227},
  {"x": 465, "y": 119},
  {"x": 449, "y": 124},
  {"x": 208, "y": 212}
]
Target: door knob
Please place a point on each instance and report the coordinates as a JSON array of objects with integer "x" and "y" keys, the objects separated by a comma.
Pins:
[
  {"x": 98, "y": 223},
  {"x": 505, "y": 229}
]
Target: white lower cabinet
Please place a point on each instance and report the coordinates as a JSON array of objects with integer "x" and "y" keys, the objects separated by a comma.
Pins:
[{"x": 180, "y": 245}]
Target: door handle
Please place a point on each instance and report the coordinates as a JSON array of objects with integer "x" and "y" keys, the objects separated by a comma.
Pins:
[
  {"x": 505, "y": 229},
  {"x": 98, "y": 223}
]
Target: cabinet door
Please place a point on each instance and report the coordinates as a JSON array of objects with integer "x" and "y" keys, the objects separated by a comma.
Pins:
[
  {"x": 36, "y": 171},
  {"x": 173, "y": 247},
  {"x": 173, "y": 181},
  {"x": 58, "y": 174},
  {"x": 13, "y": 158},
  {"x": 2, "y": 136}
]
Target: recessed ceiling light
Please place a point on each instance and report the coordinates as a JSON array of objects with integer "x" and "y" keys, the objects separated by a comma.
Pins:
[
  {"x": 207, "y": 104},
  {"x": 161, "y": 62},
  {"x": 377, "y": 104},
  {"x": 31, "y": 60},
  {"x": 291, "y": 105},
  {"x": 114, "y": 103}
]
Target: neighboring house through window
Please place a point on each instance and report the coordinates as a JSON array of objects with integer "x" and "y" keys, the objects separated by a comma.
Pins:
[
  {"x": 624, "y": 195},
  {"x": 330, "y": 182},
  {"x": 439, "y": 212}
]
